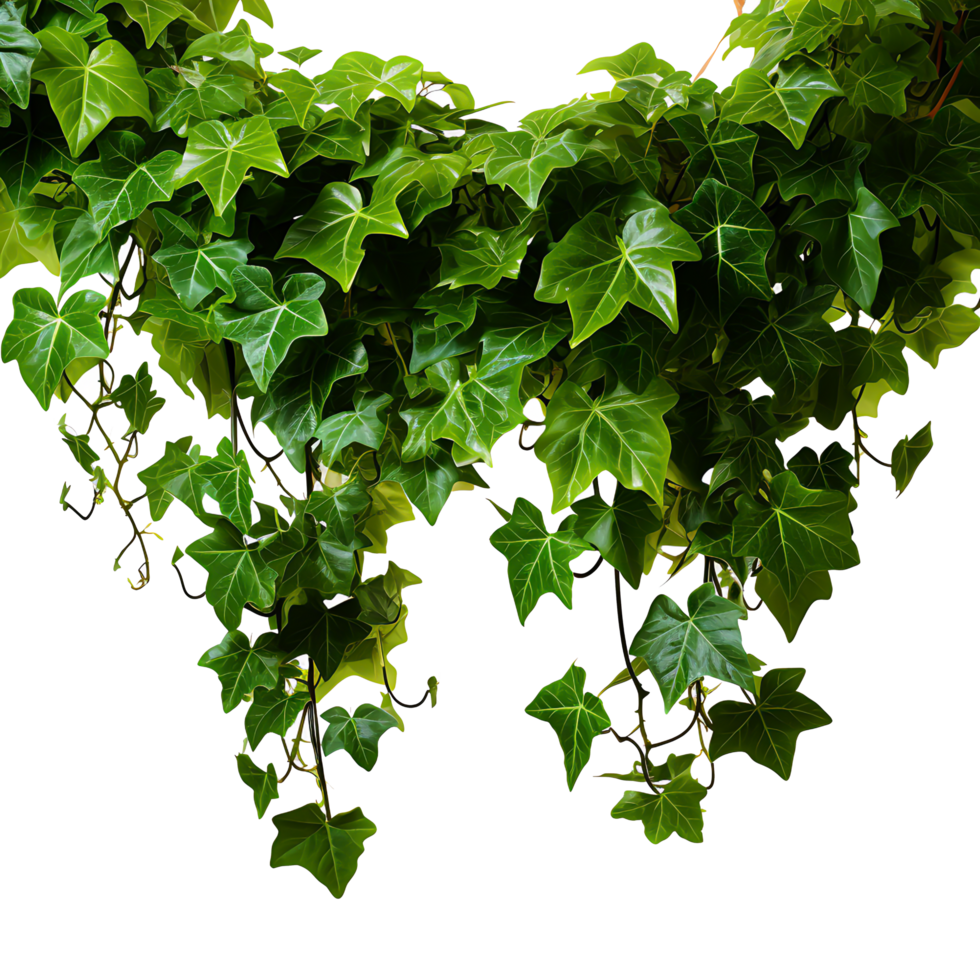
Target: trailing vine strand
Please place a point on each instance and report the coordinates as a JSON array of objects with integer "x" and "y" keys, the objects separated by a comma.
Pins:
[{"x": 387, "y": 282}]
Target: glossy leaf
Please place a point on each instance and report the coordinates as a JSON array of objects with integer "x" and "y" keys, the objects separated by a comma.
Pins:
[
  {"x": 908, "y": 454},
  {"x": 358, "y": 734},
  {"x": 576, "y": 717},
  {"x": 767, "y": 730},
  {"x": 537, "y": 559},
  {"x": 243, "y": 667},
  {"x": 328, "y": 849},
  {"x": 262, "y": 783}
]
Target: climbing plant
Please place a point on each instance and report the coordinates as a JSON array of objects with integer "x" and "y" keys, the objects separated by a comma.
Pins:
[{"x": 386, "y": 282}]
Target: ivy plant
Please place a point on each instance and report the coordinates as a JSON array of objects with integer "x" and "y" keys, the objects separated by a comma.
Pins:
[{"x": 680, "y": 277}]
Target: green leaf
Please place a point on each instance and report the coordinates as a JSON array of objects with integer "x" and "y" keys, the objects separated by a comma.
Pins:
[
  {"x": 734, "y": 237},
  {"x": 767, "y": 730},
  {"x": 517, "y": 338},
  {"x": 537, "y": 559},
  {"x": 363, "y": 425},
  {"x": 576, "y": 716},
  {"x": 942, "y": 329},
  {"x": 619, "y": 432},
  {"x": 677, "y": 810},
  {"x": 265, "y": 325},
  {"x": 237, "y": 573},
  {"x": 87, "y": 88},
  {"x": 832, "y": 471},
  {"x": 908, "y": 454},
  {"x": 722, "y": 150},
  {"x": 301, "y": 54},
  {"x": 618, "y": 531},
  {"x": 524, "y": 163},
  {"x": 705, "y": 641},
  {"x": 826, "y": 173},
  {"x": 875, "y": 81},
  {"x": 326, "y": 635},
  {"x": 640, "y": 59},
  {"x": 328, "y": 849},
  {"x": 355, "y": 76},
  {"x": 121, "y": 184},
  {"x": 229, "y": 483},
  {"x": 928, "y": 164},
  {"x": 84, "y": 454},
  {"x": 799, "y": 532},
  {"x": 481, "y": 256},
  {"x": 848, "y": 240},
  {"x": 243, "y": 667},
  {"x": 329, "y": 236},
  {"x": 263, "y": 784},
  {"x": 197, "y": 271},
  {"x": 785, "y": 342},
  {"x": 790, "y": 105},
  {"x": 635, "y": 346},
  {"x": 789, "y": 613},
  {"x": 273, "y": 712},
  {"x": 357, "y": 733},
  {"x": 218, "y": 156},
  {"x": 176, "y": 475},
  {"x": 138, "y": 399},
  {"x": 596, "y": 272},
  {"x": 18, "y": 49},
  {"x": 154, "y": 16},
  {"x": 45, "y": 340},
  {"x": 427, "y": 482}
]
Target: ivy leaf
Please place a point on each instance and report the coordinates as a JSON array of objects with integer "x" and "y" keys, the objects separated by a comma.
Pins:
[
  {"x": 263, "y": 784},
  {"x": 154, "y": 16},
  {"x": 848, "y": 240},
  {"x": 789, "y": 613},
  {"x": 875, "y": 81},
  {"x": 197, "y": 271},
  {"x": 237, "y": 573},
  {"x": 481, "y": 256},
  {"x": 330, "y": 234},
  {"x": 640, "y": 59},
  {"x": 928, "y": 164},
  {"x": 272, "y": 712},
  {"x": 597, "y": 273},
  {"x": 734, "y": 237},
  {"x": 84, "y": 454},
  {"x": 800, "y": 531},
  {"x": 358, "y": 733},
  {"x": 328, "y": 849},
  {"x": 301, "y": 54},
  {"x": 942, "y": 329},
  {"x": 121, "y": 184},
  {"x": 576, "y": 717},
  {"x": 832, "y": 471},
  {"x": 293, "y": 404},
  {"x": 89, "y": 88},
  {"x": 356, "y": 75},
  {"x": 908, "y": 454},
  {"x": 266, "y": 326},
  {"x": 635, "y": 346},
  {"x": 537, "y": 559},
  {"x": 229, "y": 483},
  {"x": 325, "y": 635},
  {"x": 176, "y": 475},
  {"x": 618, "y": 531},
  {"x": 515, "y": 339},
  {"x": 218, "y": 156},
  {"x": 427, "y": 482},
  {"x": 784, "y": 343},
  {"x": 44, "y": 340},
  {"x": 524, "y": 162},
  {"x": 138, "y": 399},
  {"x": 18, "y": 49},
  {"x": 242, "y": 667},
  {"x": 790, "y": 105},
  {"x": 767, "y": 730},
  {"x": 829, "y": 173},
  {"x": 677, "y": 810},
  {"x": 722, "y": 150},
  {"x": 680, "y": 647},
  {"x": 363, "y": 425},
  {"x": 746, "y": 438},
  {"x": 621, "y": 432}
]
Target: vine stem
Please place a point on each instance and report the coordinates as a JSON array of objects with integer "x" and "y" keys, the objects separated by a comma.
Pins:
[
  {"x": 314, "y": 725},
  {"x": 737, "y": 4},
  {"x": 641, "y": 691}
]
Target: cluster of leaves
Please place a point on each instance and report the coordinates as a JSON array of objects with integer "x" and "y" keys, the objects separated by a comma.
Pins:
[{"x": 389, "y": 280}]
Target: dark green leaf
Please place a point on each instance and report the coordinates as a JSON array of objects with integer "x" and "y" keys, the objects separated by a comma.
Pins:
[
  {"x": 908, "y": 454},
  {"x": 357, "y": 733},
  {"x": 263, "y": 784},
  {"x": 242, "y": 666}
]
